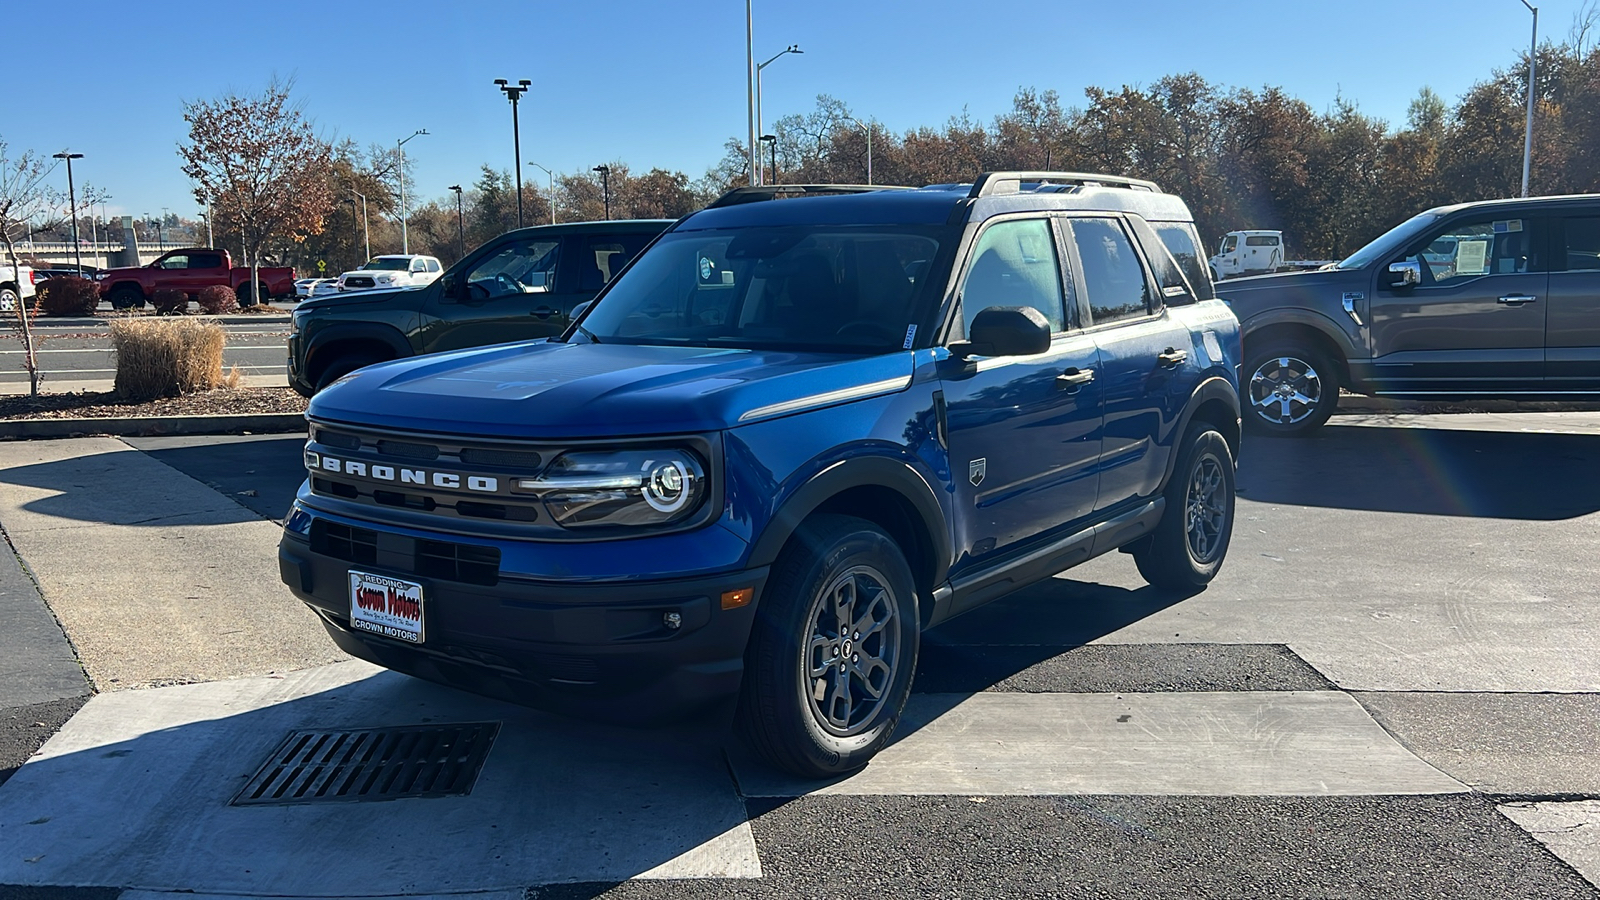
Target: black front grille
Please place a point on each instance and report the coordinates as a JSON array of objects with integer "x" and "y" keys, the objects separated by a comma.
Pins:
[
  {"x": 356, "y": 545},
  {"x": 408, "y": 450},
  {"x": 458, "y": 562},
  {"x": 516, "y": 459},
  {"x": 338, "y": 439}
]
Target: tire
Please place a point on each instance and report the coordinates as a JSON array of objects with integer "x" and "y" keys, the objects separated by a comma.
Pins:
[
  {"x": 9, "y": 299},
  {"x": 797, "y": 650},
  {"x": 1190, "y": 542},
  {"x": 246, "y": 298},
  {"x": 126, "y": 297},
  {"x": 1290, "y": 389},
  {"x": 346, "y": 364}
]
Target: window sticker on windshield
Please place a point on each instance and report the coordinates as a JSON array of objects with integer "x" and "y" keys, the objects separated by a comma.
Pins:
[
  {"x": 1507, "y": 225},
  {"x": 911, "y": 335},
  {"x": 1471, "y": 257}
]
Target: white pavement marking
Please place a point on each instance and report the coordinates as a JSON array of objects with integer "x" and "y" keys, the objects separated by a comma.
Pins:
[
  {"x": 1570, "y": 830},
  {"x": 1304, "y": 743},
  {"x": 151, "y": 774},
  {"x": 155, "y": 577}
]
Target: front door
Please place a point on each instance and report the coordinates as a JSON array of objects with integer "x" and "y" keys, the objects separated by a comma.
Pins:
[
  {"x": 1476, "y": 321},
  {"x": 507, "y": 296},
  {"x": 1572, "y": 322},
  {"x": 1024, "y": 431}
]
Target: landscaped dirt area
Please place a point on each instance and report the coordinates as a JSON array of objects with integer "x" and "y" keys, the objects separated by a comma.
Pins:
[{"x": 106, "y": 404}]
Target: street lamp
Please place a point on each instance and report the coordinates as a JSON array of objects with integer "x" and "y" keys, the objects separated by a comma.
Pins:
[
  {"x": 1527, "y": 131},
  {"x": 515, "y": 93},
  {"x": 772, "y": 143},
  {"x": 552, "y": 190},
  {"x": 366, "y": 233},
  {"x": 163, "y": 240},
  {"x": 461, "y": 229},
  {"x": 750, "y": 87},
  {"x": 868, "y": 130},
  {"x": 98, "y": 260},
  {"x": 72, "y": 205},
  {"x": 605, "y": 186},
  {"x": 792, "y": 48},
  {"x": 405, "y": 238}
]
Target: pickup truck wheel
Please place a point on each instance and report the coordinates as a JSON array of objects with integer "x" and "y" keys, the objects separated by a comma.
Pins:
[
  {"x": 1187, "y": 547},
  {"x": 1289, "y": 389},
  {"x": 834, "y": 646},
  {"x": 126, "y": 298},
  {"x": 344, "y": 365},
  {"x": 246, "y": 298},
  {"x": 9, "y": 300}
]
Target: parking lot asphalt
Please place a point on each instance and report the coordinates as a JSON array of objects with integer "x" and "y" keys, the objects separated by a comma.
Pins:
[{"x": 1390, "y": 690}]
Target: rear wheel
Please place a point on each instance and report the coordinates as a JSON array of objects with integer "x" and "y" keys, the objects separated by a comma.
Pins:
[
  {"x": 346, "y": 364},
  {"x": 9, "y": 299},
  {"x": 126, "y": 297},
  {"x": 830, "y": 660},
  {"x": 1290, "y": 389},
  {"x": 1187, "y": 548},
  {"x": 247, "y": 296}
]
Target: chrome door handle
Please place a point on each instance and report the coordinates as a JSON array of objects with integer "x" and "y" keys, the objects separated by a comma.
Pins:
[
  {"x": 1072, "y": 380},
  {"x": 1171, "y": 358},
  {"x": 1517, "y": 299}
]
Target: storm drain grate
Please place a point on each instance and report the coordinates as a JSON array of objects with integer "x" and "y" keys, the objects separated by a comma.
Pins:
[{"x": 375, "y": 764}]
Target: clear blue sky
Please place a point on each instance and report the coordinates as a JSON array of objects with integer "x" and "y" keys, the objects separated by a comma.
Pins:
[{"x": 663, "y": 84}]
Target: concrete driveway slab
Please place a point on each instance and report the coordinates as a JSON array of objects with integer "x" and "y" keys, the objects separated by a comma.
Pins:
[
  {"x": 152, "y": 773},
  {"x": 1570, "y": 830}
]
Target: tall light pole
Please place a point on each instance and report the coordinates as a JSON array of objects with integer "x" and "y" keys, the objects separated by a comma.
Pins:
[
  {"x": 1527, "y": 132},
  {"x": 163, "y": 224},
  {"x": 515, "y": 92},
  {"x": 461, "y": 229},
  {"x": 750, "y": 96},
  {"x": 605, "y": 186},
  {"x": 211, "y": 240},
  {"x": 552, "y": 190},
  {"x": 366, "y": 233},
  {"x": 72, "y": 206},
  {"x": 868, "y": 130},
  {"x": 772, "y": 144},
  {"x": 792, "y": 48},
  {"x": 405, "y": 237},
  {"x": 97, "y": 256}
]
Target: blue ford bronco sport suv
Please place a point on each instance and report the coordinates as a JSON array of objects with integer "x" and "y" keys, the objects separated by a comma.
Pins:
[{"x": 803, "y": 426}]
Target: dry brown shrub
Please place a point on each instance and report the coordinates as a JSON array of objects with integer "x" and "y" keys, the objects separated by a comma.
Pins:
[
  {"x": 165, "y": 357},
  {"x": 68, "y": 295}
]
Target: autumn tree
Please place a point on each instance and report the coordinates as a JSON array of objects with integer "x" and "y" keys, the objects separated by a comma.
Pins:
[
  {"x": 263, "y": 167},
  {"x": 24, "y": 198}
]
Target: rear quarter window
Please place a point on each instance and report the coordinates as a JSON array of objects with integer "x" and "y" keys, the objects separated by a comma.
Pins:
[{"x": 1183, "y": 243}]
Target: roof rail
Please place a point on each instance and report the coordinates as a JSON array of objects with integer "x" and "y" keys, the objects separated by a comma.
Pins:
[
  {"x": 991, "y": 183},
  {"x": 774, "y": 191}
]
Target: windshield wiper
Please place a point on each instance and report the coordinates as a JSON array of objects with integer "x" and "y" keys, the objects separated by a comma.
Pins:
[{"x": 588, "y": 334}]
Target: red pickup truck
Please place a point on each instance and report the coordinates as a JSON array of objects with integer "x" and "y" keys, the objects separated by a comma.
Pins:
[{"x": 190, "y": 270}]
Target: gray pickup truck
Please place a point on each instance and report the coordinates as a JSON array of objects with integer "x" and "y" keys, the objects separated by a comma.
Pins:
[{"x": 1496, "y": 299}]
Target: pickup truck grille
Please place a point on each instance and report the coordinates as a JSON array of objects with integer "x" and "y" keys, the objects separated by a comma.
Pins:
[{"x": 360, "y": 281}]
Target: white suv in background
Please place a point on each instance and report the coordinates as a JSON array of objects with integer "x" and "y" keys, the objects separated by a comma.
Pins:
[{"x": 393, "y": 271}]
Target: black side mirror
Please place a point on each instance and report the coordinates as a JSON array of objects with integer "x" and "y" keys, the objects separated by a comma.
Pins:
[
  {"x": 1005, "y": 331},
  {"x": 579, "y": 310}
]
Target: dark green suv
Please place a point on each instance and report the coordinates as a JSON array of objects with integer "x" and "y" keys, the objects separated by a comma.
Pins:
[{"x": 521, "y": 285}]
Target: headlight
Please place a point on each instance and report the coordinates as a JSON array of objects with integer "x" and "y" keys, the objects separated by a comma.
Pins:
[
  {"x": 294, "y": 322},
  {"x": 99, "y": 276},
  {"x": 620, "y": 488}
]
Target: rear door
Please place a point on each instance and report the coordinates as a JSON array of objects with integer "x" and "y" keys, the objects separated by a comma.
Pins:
[
  {"x": 1572, "y": 322},
  {"x": 1144, "y": 351},
  {"x": 592, "y": 260},
  {"x": 1476, "y": 322},
  {"x": 1024, "y": 432}
]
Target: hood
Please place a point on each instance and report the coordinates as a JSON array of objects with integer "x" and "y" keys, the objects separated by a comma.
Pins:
[
  {"x": 1310, "y": 290},
  {"x": 543, "y": 390},
  {"x": 350, "y": 298}
]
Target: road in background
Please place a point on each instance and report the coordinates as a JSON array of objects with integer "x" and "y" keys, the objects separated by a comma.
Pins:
[{"x": 78, "y": 356}]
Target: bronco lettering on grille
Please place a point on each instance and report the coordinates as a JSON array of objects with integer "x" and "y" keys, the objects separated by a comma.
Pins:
[{"x": 448, "y": 480}]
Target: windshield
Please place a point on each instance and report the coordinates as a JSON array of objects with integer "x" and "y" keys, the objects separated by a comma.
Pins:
[
  {"x": 1389, "y": 241},
  {"x": 388, "y": 264},
  {"x": 826, "y": 288}
]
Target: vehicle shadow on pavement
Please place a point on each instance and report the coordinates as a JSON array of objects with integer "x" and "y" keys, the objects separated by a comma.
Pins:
[
  {"x": 262, "y": 473},
  {"x": 152, "y": 774},
  {"x": 1484, "y": 474}
]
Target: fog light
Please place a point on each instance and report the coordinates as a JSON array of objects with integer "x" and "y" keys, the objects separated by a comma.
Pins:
[{"x": 672, "y": 620}]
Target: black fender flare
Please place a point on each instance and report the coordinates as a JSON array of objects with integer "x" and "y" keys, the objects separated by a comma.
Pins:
[
  {"x": 876, "y": 471},
  {"x": 387, "y": 335},
  {"x": 1311, "y": 319},
  {"x": 1214, "y": 387}
]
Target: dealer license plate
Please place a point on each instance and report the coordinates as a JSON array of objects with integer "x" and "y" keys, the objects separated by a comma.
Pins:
[{"x": 388, "y": 606}]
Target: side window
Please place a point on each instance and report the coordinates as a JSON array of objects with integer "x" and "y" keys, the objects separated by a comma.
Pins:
[
  {"x": 603, "y": 257},
  {"x": 175, "y": 262},
  {"x": 1182, "y": 242},
  {"x": 433, "y": 264},
  {"x": 1112, "y": 275},
  {"x": 205, "y": 261},
  {"x": 1228, "y": 243},
  {"x": 522, "y": 267},
  {"x": 1583, "y": 244},
  {"x": 1476, "y": 248},
  {"x": 1260, "y": 240},
  {"x": 1015, "y": 264},
  {"x": 418, "y": 265}
]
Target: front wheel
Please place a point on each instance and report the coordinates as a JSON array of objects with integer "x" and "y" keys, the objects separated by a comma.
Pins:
[
  {"x": 9, "y": 300},
  {"x": 1187, "y": 548},
  {"x": 830, "y": 660},
  {"x": 1289, "y": 389}
]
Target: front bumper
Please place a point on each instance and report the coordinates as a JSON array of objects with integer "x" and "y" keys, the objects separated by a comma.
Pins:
[{"x": 595, "y": 650}]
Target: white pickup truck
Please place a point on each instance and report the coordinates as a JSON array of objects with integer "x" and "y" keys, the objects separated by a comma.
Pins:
[
  {"x": 15, "y": 285},
  {"x": 392, "y": 271},
  {"x": 1255, "y": 253}
]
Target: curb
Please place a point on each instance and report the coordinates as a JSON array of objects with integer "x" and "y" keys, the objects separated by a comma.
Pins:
[
  {"x": 1360, "y": 403},
  {"x": 94, "y": 321},
  {"x": 147, "y": 426}
]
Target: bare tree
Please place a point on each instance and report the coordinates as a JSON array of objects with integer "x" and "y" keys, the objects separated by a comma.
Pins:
[
  {"x": 23, "y": 199},
  {"x": 264, "y": 165}
]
